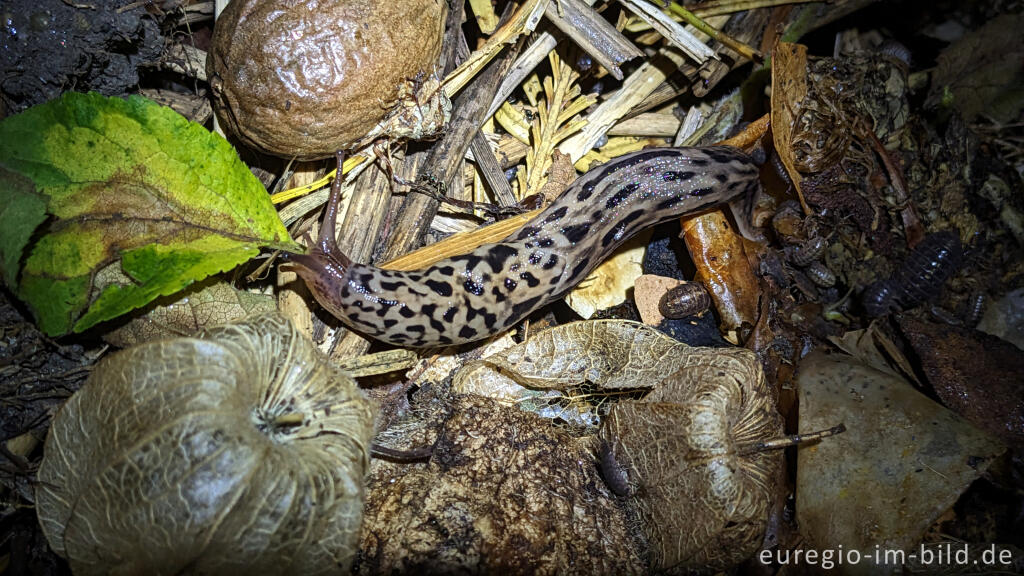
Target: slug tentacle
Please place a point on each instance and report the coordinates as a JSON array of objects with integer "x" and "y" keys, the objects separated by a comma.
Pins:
[{"x": 475, "y": 295}]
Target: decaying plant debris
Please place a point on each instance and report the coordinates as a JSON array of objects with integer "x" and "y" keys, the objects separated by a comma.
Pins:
[{"x": 601, "y": 446}]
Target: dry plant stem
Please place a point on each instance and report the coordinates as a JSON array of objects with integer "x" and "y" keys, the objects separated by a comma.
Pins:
[
  {"x": 591, "y": 32},
  {"x": 379, "y": 363},
  {"x": 746, "y": 27},
  {"x": 787, "y": 441},
  {"x": 651, "y": 124},
  {"x": 459, "y": 243},
  {"x": 720, "y": 7},
  {"x": 740, "y": 48},
  {"x": 638, "y": 86},
  {"x": 675, "y": 86},
  {"x": 525, "y": 19},
  {"x": 490, "y": 170},
  {"x": 486, "y": 19},
  {"x": 671, "y": 30},
  {"x": 533, "y": 55},
  {"x": 912, "y": 227},
  {"x": 443, "y": 159}
]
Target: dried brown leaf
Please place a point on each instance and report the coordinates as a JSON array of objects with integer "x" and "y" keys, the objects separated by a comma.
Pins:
[{"x": 789, "y": 88}]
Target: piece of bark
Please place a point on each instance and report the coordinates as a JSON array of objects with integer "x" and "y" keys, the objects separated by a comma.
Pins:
[
  {"x": 442, "y": 161},
  {"x": 591, "y": 32}
]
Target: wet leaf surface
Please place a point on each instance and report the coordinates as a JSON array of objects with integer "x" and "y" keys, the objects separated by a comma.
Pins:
[{"x": 903, "y": 461}]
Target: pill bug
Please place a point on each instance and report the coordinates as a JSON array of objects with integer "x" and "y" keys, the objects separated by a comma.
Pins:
[
  {"x": 615, "y": 474},
  {"x": 685, "y": 300},
  {"x": 808, "y": 251},
  {"x": 896, "y": 50},
  {"x": 820, "y": 275},
  {"x": 975, "y": 309},
  {"x": 919, "y": 279}
]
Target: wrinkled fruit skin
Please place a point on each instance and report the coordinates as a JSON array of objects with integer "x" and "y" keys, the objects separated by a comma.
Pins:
[
  {"x": 174, "y": 458},
  {"x": 306, "y": 78}
]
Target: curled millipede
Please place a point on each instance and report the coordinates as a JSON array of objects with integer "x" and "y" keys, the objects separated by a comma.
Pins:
[
  {"x": 919, "y": 279},
  {"x": 685, "y": 300},
  {"x": 820, "y": 275}
]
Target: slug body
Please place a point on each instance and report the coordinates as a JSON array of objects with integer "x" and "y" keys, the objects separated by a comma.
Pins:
[{"x": 489, "y": 290}]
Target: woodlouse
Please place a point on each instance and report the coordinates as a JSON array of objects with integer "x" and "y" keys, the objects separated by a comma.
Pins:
[
  {"x": 975, "y": 309},
  {"x": 685, "y": 300},
  {"x": 820, "y": 275},
  {"x": 919, "y": 279},
  {"x": 808, "y": 251}
]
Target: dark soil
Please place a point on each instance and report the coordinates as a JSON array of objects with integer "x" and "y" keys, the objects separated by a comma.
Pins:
[{"x": 50, "y": 47}]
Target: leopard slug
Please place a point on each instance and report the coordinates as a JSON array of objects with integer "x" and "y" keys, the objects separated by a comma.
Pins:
[{"x": 489, "y": 290}]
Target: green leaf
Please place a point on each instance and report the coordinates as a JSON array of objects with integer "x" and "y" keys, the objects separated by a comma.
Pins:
[
  {"x": 142, "y": 203},
  {"x": 22, "y": 209}
]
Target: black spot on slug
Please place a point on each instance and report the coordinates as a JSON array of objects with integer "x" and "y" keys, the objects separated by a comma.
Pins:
[
  {"x": 551, "y": 263},
  {"x": 677, "y": 176},
  {"x": 510, "y": 284},
  {"x": 473, "y": 287},
  {"x": 579, "y": 269},
  {"x": 556, "y": 215},
  {"x": 620, "y": 196},
  {"x": 499, "y": 297},
  {"x": 670, "y": 202},
  {"x": 449, "y": 314},
  {"x": 522, "y": 309},
  {"x": 721, "y": 154},
  {"x": 577, "y": 232},
  {"x": 587, "y": 191},
  {"x": 440, "y": 288},
  {"x": 527, "y": 232},
  {"x": 698, "y": 192},
  {"x": 531, "y": 280},
  {"x": 467, "y": 333},
  {"x": 406, "y": 312}
]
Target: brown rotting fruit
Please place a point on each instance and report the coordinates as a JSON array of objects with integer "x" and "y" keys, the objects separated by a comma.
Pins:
[{"x": 306, "y": 78}]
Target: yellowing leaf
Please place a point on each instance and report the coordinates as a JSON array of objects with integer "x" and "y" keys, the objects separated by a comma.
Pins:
[{"x": 125, "y": 182}]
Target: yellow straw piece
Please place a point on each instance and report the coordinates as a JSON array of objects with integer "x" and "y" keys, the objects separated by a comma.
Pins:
[{"x": 285, "y": 195}]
